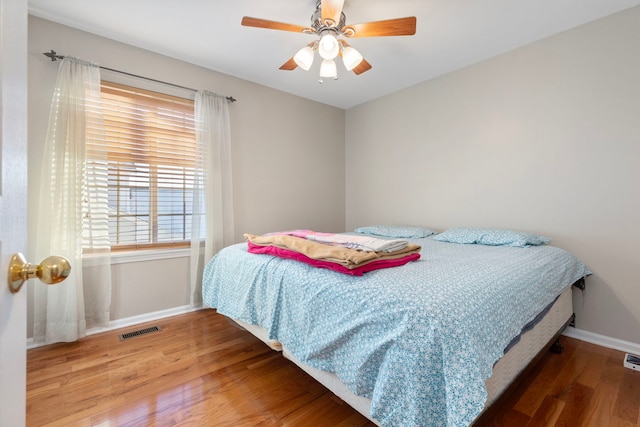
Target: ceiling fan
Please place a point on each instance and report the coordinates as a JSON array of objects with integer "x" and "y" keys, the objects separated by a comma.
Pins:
[{"x": 329, "y": 23}]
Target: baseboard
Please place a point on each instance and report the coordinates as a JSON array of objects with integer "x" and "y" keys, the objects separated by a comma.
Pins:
[
  {"x": 602, "y": 340},
  {"x": 131, "y": 321}
]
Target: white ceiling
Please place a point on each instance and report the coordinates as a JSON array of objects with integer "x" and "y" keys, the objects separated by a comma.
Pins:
[{"x": 451, "y": 34}]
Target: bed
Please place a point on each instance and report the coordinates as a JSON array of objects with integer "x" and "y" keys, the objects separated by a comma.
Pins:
[{"x": 418, "y": 345}]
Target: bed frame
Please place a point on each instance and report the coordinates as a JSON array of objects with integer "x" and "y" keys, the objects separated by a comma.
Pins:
[{"x": 505, "y": 371}]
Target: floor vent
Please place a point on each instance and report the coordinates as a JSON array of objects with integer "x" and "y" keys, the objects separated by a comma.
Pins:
[
  {"x": 129, "y": 335},
  {"x": 632, "y": 361}
]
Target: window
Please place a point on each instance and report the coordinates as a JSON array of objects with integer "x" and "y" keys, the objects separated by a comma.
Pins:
[{"x": 151, "y": 159}]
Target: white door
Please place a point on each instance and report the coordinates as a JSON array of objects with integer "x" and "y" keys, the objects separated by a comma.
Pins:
[{"x": 13, "y": 207}]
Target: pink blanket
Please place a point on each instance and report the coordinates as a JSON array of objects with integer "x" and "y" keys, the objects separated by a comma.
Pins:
[{"x": 357, "y": 271}]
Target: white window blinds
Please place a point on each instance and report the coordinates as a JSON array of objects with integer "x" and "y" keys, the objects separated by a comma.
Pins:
[{"x": 151, "y": 156}]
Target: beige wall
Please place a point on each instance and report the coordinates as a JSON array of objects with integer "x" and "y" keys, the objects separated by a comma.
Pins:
[
  {"x": 545, "y": 138},
  {"x": 273, "y": 139}
]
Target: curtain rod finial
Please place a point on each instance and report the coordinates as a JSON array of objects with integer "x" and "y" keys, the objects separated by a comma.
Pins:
[{"x": 53, "y": 55}]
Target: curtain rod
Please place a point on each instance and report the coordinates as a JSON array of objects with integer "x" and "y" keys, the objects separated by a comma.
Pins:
[{"x": 54, "y": 57}]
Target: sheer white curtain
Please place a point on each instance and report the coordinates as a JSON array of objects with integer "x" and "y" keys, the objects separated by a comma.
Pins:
[
  {"x": 72, "y": 214},
  {"x": 212, "y": 221}
]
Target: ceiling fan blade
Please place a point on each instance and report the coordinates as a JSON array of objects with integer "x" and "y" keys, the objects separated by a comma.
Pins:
[
  {"x": 289, "y": 65},
  {"x": 390, "y": 27},
  {"x": 362, "y": 67},
  {"x": 331, "y": 9},
  {"x": 248, "y": 21}
]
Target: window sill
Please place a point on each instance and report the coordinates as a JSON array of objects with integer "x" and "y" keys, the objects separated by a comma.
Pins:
[{"x": 127, "y": 257}]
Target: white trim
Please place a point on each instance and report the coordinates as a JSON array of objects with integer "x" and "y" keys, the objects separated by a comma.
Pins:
[
  {"x": 602, "y": 340},
  {"x": 149, "y": 255},
  {"x": 138, "y": 256},
  {"x": 131, "y": 321}
]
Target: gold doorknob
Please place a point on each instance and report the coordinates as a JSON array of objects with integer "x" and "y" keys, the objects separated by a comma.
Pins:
[{"x": 51, "y": 270}]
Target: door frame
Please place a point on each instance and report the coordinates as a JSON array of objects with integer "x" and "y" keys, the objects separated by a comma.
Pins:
[{"x": 13, "y": 207}]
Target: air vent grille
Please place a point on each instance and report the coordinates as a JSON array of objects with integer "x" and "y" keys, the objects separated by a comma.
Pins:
[
  {"x": 632, "y": 361},
  {"x": 129, "y": 335}
]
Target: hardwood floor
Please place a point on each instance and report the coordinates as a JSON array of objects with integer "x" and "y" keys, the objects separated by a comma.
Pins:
[
  {"x": 199, "y": 370},
  {"x": 586, "y": 385}
]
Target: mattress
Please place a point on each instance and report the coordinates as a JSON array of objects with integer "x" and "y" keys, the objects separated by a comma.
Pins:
[
  {"x": 419, "y": 340},
  {"x": 504, "y": 372}
]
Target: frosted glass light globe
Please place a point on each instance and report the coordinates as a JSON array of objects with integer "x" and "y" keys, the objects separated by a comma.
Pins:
[
  {"x": 328, "y": 48},
  {"x": 304, "y": 58},
  {"x": 328, "y": 69},
  {"x": 351, "y": 58}
]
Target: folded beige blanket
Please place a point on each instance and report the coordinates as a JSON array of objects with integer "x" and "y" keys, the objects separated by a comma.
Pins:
[{"x": 350, "y": 258}]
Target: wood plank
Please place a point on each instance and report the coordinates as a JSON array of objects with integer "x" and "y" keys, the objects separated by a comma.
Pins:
[
  {"x": 573, "y": 412},
  {"x": 601, "y": 408},
  {"x": 628, "y": 402},
  {"x": 595, "y": 358},
  {"x": 548, "y": 412},
  {"x": 328, "y": 410},
  {"x": 547, "y": 382},
  {"x": 505, "y": 417},
  {"x": 565, "y": 381}
]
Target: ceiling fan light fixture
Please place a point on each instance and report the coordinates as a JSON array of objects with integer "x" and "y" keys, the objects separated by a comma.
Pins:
[
  {"x": 351, "y": 58},
  {"x": 329, "y": 23},
  {"x": 328, "y": 69},
  {"x": 328, "y": 48},
  {"x": 304, "y": 58}
]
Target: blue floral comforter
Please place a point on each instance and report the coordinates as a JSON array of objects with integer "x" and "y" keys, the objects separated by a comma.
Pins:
[{"x": 418, "y": 340}]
